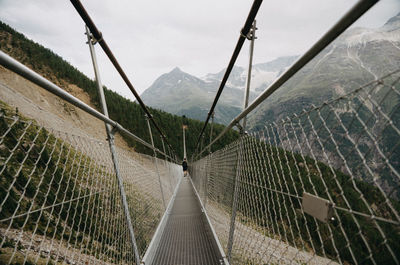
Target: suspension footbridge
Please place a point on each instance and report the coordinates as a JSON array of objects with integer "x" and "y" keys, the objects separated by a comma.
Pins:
[{"x": 317, "y": 187}]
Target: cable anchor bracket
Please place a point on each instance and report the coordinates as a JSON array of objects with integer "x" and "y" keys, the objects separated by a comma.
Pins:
[
  {"x": 93, "y": 39},
  {"x": 240, "y": 128}
]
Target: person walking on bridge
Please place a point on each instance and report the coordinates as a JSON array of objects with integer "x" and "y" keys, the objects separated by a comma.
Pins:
[{"x": 185, "y": 167}]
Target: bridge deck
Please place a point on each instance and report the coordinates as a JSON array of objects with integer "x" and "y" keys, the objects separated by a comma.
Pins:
[{"x": 187, "y": 238}]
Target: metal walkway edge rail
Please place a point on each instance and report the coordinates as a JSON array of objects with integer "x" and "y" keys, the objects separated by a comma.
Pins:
[
  {"x": 185, "y": 234},
  {"x": 317, "y": 187},
  {"x": 214, "y": 234},
  {"x": 155, "y": 240}
]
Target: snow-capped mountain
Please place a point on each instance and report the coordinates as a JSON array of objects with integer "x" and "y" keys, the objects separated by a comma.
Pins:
[
  {"x": 261, "y": 76},
  {"x": 180, "y": 93},
  {"x": 358, "y": 56}
]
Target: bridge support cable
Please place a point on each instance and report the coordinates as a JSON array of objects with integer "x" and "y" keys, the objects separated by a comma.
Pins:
[
  {"x": 347, "y": 20},
  {"x": 110, "y": 135},
  {"x": 243, "y": 35},
  {"x": 99, "y": 38},
  {"x": 67, "y": 188},
  {"x": 20, "y": 69}
]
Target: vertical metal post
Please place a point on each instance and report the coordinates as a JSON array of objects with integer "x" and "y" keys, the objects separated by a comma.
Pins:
[
  {"x": 252, "y": 37},
  {"x": 211, "y": 131},
  {"x": 167, "y": 165},
  {"x": 155, "y": 162},
  {"x": 171, "y": 172},
  {"x": 110, "y": 136},
  {"x": 234, "y": 200},
  {"x": 184, "y": 141},
  {"x": 201, "y": 144},
  {"x": 165, "y": 154},
  {"x": 208, "y": 172}
]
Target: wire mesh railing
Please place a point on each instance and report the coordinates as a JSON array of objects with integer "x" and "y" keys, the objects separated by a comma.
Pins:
[
  {"x": 60, "y": 201},
  {"x": 319, "y": 187}
]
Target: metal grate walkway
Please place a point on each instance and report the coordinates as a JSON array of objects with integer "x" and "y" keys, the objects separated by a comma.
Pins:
[{"x": 186, "y": 238}]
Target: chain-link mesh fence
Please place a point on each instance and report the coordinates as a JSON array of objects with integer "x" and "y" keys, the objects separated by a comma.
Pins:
[
  {"x": 344, "y": 152},
  {"x": 59, "y": 197}
]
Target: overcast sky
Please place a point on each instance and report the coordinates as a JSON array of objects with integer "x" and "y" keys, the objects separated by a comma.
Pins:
[{"x": 150, "y": 38}]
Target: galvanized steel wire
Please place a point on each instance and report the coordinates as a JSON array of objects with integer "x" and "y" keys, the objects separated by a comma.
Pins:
[
  {"x": 346, "y": 21},
  {"x": 344, "y": 151},
  {"x": 59, "y": 197},
  {"x": 242, "y": 37},
  {"x": 99, "y": 38}
]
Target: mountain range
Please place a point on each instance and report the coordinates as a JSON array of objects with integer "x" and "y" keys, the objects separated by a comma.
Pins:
[
  {"x": 184, "y": 94},
  {"x": 357, "y": 57}
]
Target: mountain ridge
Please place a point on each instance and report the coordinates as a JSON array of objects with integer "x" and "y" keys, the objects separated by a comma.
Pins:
[
  {"x": 353, "y": 59},
  {"x": 181, "y": 93},
  {"x": 358, "y": 56}
]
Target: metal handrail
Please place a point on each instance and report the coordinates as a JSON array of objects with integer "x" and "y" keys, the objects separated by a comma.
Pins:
[
  {"x": 20, "y": 69},
  {"x": 349, "y": 18},
  {"x": 99, "y": 38}
]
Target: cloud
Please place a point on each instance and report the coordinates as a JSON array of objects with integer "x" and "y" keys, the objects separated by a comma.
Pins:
[{"x": 149, "y": 38}]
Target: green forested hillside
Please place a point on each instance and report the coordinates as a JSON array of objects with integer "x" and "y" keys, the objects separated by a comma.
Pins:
[{"x": 122, "y": 110}]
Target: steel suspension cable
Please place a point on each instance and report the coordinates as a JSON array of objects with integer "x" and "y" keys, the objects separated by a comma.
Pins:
[
  {"x": 22, "y": 70},
  {"x": 243, "y": 35},
  {"x": 346, "y": 21},
  {"x": 99, "y": 38}
]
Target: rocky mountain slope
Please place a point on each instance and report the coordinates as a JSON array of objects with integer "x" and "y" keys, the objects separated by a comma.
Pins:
[
  {"x": 180, "y": 93},
  {"x": 261, "y": 76},
  {"x": 357, "y": 57},
  {"x": 183, "y": 94}
]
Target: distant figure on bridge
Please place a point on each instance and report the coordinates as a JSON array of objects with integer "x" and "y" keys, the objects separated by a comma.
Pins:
[{"x": 185, "y": 167}]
